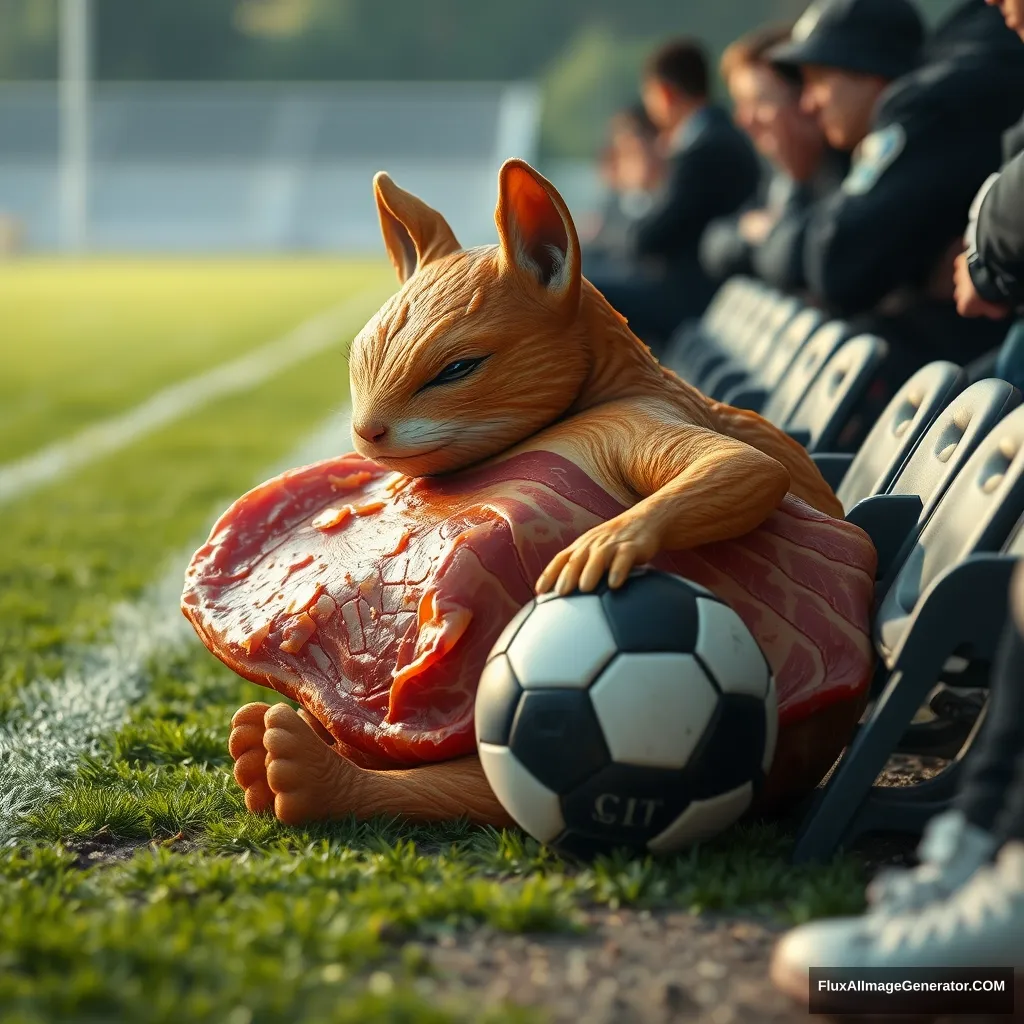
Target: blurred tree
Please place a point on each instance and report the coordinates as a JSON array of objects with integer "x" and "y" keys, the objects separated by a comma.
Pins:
[
  {"x": 362, "y": 39},
  {"x": 587, "y": 52},
  {"x": 28, "y": 34},
  {"x": 593, "y": 77}
]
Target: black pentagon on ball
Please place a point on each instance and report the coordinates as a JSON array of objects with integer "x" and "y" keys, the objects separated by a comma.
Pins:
[
  {"x": 652, "y": 611},
  {"x": 556, "y": 735},
  {"x": 730, "y": 752},
  {"x": 497, "y": 701},
  {"x": 508, "y": 634},
  {"x": 625, "y": 805}
]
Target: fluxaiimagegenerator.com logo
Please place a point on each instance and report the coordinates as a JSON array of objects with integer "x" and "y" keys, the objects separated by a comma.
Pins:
[{"x": 893, "y": 990}]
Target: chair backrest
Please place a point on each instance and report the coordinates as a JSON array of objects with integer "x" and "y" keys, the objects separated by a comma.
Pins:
[
  {"x": 740, "y": 305},
  {"x": 739, "y": 334},
  {"x": 731, "y": 295},
  {"x": 813, "y": 355},
  {"x": 907, "y": 416},
  {"x": 954, "y": 435},
  {"x": 835, "y": 392},
  {"x": 1015, "y": 542},
  {"x": 762, "y": 344},
  {"x": 977, "y": 513},
  {"x": 787, "y": 345}
]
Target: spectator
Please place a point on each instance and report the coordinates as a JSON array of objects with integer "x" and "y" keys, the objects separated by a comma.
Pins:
[
  {"x": 989, "y": 276},
  {"x": 711, "y": 170},
  {"x": 955, "y": 908},
  {"x": 630, "y": 168},
  {"x": 880, "y": 250},
  {"x": 767, "y": 238}
]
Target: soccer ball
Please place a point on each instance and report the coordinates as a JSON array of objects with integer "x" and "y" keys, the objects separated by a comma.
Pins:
[{"x": 643, "y": 717}]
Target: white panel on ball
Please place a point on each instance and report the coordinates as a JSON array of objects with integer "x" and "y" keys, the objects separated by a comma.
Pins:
[
  {"x": 704, "y": 819},
  {"x": 653, "y": 708},
  {"x": 731, "y": 654},
  {"x": 563, "y": 643},
  {"x": 535, "y": 808},
  {"x": 771, "y": 710}
]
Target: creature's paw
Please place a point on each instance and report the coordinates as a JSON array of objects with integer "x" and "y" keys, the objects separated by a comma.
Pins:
[
  {"x": 308, "y": 780},
  {"x": 614, "y": 547},
  {"x": 246, "y": 746}
]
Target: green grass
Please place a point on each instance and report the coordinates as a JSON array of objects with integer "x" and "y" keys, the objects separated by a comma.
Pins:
[
  {"x": 213, "y": 908},
  {"x": 83, "y": 340},
  {"x": 145, "y": 891},
  {"x": 164, "y": 937},
  {"x": 68, "y": 552}
]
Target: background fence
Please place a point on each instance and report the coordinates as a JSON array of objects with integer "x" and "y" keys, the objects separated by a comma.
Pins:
[{"x": 263, "y": 166}]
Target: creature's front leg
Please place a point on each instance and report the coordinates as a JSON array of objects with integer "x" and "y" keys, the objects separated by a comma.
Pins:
[
  {"x": 284, "y": 766},
  {"x": 696, "y": 487}
]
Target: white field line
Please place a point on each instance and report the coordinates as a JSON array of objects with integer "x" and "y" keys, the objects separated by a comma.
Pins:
[
  {"x": 58, "y": 721},
  {"x": 311, "y": 337}
]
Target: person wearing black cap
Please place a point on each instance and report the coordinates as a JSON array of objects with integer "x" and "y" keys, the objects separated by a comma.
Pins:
[
  {"x": 759, "y": 240},
  {"x": 711, "y": 170},
  {"x": 880, "y": 250}
]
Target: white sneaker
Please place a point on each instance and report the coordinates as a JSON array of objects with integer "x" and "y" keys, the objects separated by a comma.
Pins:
[
  {"x": 981, "y": 925},
  {"x": 950, "y": 852}
]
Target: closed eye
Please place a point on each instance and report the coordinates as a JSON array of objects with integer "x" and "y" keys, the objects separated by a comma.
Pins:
[{"x": 455, "y": 371}]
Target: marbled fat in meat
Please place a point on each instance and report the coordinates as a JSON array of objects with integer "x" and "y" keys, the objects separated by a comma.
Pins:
[{"x": 373, "y": 599}]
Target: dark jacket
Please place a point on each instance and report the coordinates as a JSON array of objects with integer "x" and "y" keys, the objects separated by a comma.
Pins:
[
  {"x": 995, "y": 236},
  {"x": 779, "y": 259},
  {"x": 724, "y": 251},
  {"x": 712, "y": 172},
  {"x": 936, "y": 137}
]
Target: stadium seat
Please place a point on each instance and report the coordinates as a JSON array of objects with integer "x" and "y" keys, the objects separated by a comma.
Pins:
[
  {"x": 907, "y": 416},
  {"x": 783, "y": 400},
  {"x": 727, "y": 301},
  {"x": 729, "y": 308},
  {"x": 742, "y": 366},
  {"x": 894, "y": 518},
  {"x": 945, "y": 601},
  {"x": 693, "y": 353},
  {"x": 753, "y": 392},
  {"x": 832, "y": 399}
]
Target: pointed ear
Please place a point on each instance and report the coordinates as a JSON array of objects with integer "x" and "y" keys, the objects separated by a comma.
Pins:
[
  {"x": 538, "y": 237},
  {"x": 414, "y": 233}
]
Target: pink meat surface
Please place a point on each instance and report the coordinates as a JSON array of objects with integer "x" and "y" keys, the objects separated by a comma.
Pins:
[{"x": 373, "y": 599}]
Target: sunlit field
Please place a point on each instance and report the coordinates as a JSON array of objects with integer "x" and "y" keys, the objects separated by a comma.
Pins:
[{"x": 134, "y": 886}]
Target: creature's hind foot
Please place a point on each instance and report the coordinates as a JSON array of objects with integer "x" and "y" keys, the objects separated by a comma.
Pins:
[
  {"x": 246, "y": 746},
  {"x": 307, "y": 780}
]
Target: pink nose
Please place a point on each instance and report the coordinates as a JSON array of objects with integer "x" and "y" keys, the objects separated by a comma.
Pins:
[{"x": 373, "y": 431}]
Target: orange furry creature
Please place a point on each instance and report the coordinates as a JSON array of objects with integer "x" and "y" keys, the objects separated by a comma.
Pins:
[{"x": 513, "y": 436}]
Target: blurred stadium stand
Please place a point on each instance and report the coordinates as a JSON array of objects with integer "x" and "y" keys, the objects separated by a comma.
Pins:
[{"x": 263, "y": 166}]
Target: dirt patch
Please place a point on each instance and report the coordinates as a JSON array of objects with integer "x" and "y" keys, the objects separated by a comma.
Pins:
[
  {"x": 106, "y": 849},
  {"x": 633, "y": 967},
  {"x": 644, "y": 967}
]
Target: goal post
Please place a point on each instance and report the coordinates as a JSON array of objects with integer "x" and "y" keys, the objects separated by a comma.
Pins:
[{"x": 74, "y": 123}]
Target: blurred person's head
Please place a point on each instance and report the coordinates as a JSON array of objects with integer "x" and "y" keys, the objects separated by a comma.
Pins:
[
  {"x": 675, "y": 82},
  {"x": 1012, "y": 12},
  {"x": 848, "y": 52},
  {"x": 766, "y": 103},
  {"x": 633, "y": 149}
]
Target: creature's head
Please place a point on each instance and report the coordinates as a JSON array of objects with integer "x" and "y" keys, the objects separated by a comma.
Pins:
[{"x": 481, "y": 347}]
